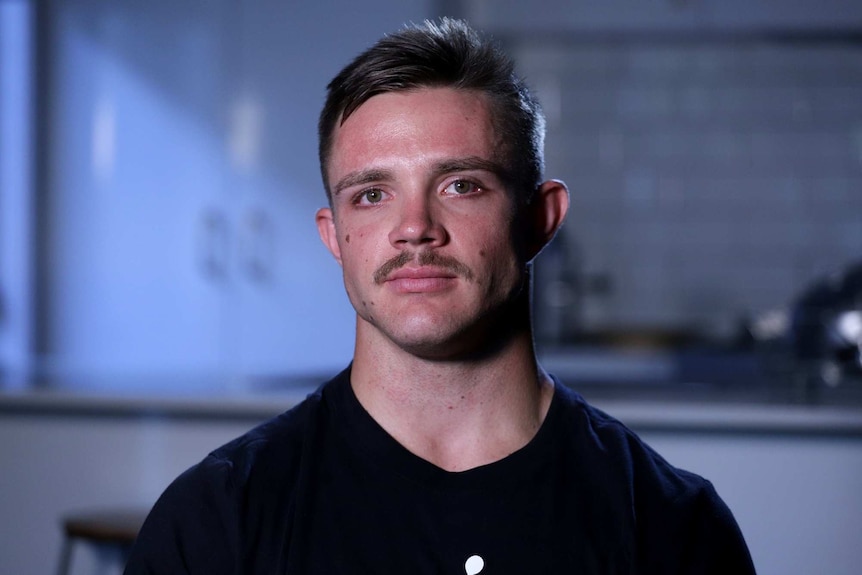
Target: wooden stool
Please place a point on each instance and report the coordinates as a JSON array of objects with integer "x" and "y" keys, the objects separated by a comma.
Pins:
[{"x": 111, "y": 530}]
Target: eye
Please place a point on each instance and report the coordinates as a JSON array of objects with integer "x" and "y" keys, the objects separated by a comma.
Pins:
[
  {"x": 461, "y": 187},
  {"x": 370, "y": 196}
]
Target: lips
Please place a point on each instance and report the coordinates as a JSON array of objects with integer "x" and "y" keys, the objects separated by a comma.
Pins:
[
  {"x": 424, "y": 272},
  {"x": 421, "y": 280}
]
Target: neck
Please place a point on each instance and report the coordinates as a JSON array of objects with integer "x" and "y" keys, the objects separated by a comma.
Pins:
[{"x": 457, "y": 414}]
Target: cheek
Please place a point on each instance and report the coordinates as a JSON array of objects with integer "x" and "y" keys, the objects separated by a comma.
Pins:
[
  {"x": 501, "y": 256},
  {"x": 494, "y": 243},
  {"x": 497, "y": 257},
  {"x": 357, "y": 252}
]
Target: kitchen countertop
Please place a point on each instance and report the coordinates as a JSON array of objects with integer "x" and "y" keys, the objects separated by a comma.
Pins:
[
  {"x": 658, "y": 413},
  {"x": 643, "y": 404}
]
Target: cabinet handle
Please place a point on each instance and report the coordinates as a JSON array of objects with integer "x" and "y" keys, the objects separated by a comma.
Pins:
[
  {"x": 213, "y": 244},
  {"x": 257, "y": 246}
]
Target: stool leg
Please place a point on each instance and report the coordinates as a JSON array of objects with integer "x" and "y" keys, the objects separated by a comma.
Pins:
[
  {"x": 65, "y": 556},
  {"x": 109, "y": 559}
]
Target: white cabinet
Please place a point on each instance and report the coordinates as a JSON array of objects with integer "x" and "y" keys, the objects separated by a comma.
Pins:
[
  {"x": 289, "y": 312},
  {"x": 183, "y": 179},
  {"x": 134, "y": 156},
  {"x": 16, "y": 196}
]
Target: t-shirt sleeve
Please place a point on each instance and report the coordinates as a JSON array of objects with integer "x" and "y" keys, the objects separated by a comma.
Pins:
[
  {"x": 714, "y": 543},
  {"x": 690, "y": 531},
  {"x": 684, "y": 527},
  {"x": 193, "y": 527}
]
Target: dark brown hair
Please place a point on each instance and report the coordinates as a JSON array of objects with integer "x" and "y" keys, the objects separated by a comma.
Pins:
[{"x": 447, "y": 53}]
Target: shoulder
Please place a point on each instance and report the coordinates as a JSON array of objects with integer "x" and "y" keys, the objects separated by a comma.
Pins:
[
  {"x": 276, "y": 449},
  {"x": 681, "y": 523},
  {"x": 201, "y": 518},
  {"x": 276, "y": 442},
  {"x": 606, "y": 441}
]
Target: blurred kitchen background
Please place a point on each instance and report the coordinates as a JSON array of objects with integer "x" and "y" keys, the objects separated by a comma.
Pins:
[{"x": 163, "y": 288}]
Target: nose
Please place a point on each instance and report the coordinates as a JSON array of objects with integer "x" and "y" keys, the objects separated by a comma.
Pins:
[{"x": 419, "y": 223}]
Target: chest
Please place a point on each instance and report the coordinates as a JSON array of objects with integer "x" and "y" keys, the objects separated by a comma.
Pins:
[{"x": 370, "y": 520}]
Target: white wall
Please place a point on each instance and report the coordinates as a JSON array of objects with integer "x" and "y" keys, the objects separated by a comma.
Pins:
[
  {"x": 796, "y": 498},
  {"x": 56, "y": 465}
]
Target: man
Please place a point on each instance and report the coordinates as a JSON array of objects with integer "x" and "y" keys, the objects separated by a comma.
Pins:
[{"x": 443, "y": 447}]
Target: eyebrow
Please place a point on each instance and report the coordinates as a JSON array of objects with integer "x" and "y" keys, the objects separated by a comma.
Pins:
[
  {"x": 361, "y": 177},
  {"x": 466, "y": 164}
]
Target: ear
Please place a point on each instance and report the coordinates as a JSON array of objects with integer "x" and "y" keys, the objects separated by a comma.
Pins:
[
  {"x": 326, "y": 229},
  {"x": 547, "y": 213}
]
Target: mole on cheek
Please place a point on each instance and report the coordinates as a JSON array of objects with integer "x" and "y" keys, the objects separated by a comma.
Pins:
[
  {"x": 347, "y": 238},
  {"x": 481, "y": 252}
]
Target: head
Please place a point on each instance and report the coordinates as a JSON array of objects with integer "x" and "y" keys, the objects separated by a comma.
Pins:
[
  {"x": 431, "y": 152},
  {"x": 445, "y": 54}
]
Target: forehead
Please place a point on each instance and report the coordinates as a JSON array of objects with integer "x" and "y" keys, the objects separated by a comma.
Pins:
[{"x": 409, "y": 127}]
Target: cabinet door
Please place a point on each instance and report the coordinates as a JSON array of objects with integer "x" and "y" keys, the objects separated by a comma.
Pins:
[
  {"x": 185, "y": 180},
  {"x": 136, "y": 161},
  {"x": 16, "y": 194},
  {"x": 291, "y": 315}
]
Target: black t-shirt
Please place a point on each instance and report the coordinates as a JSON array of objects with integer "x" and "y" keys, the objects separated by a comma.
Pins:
[{"x": 324, "y": 489}]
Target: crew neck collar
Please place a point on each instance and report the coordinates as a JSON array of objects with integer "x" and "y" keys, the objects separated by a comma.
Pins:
[{"x": 364, "y": 434}]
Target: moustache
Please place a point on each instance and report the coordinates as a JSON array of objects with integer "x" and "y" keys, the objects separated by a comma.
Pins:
[{"x": 423, "y": 259}]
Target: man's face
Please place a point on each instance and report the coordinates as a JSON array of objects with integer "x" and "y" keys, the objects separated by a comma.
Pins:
[{"x": 421, "y": 221}]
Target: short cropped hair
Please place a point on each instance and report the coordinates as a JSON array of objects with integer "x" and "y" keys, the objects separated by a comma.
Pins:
[{"x": 444, "y": 54}]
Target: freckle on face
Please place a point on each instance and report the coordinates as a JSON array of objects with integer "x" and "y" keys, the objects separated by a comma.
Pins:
[{"x": 347, "y": 238}]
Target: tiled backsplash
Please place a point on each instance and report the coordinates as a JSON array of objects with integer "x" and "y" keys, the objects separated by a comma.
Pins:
[{"x": 710, "y": 182}]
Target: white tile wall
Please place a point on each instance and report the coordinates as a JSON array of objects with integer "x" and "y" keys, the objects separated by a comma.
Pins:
[{"x": 709, "y": 182}]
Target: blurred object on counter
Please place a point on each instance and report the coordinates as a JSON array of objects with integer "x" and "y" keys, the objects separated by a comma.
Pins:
[
  {"x": 643, "y": 338},
  {"x": 558, "y": 291},
  {"x": 561, "y": 286},
  {"x": 826, "y": 329},
  {"x": 817, "y": 339}
]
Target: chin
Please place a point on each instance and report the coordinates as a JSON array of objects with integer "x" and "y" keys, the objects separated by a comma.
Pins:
[
  {"x": 456, "y": 343},
  {"x": 453, "y": 334},
  {"x": 428, "y": 346}
]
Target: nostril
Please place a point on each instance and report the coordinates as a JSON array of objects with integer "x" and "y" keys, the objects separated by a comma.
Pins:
[{"x": 418, "y": 223}]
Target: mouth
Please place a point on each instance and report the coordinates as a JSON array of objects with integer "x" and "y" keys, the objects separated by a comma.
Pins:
[
  {"x": 426, "y": 272},
  {"x": 421, "y": 273},
  {"x": 421, "y": 280}
]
